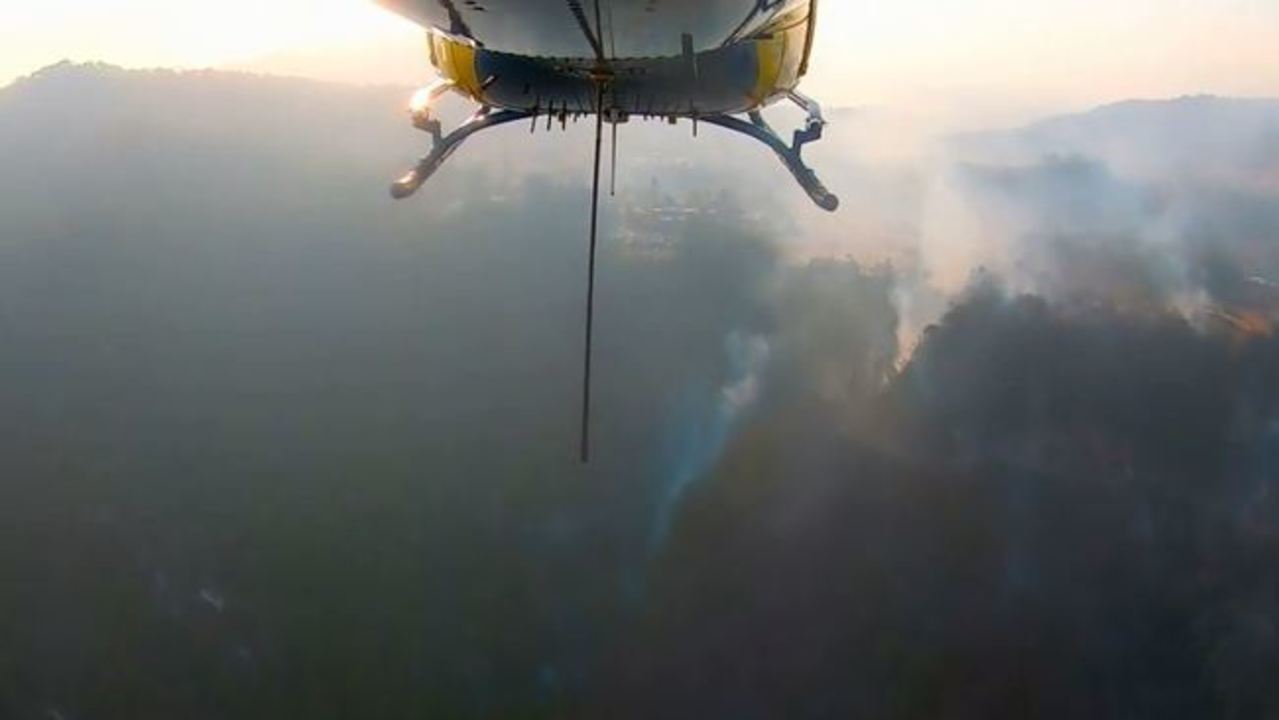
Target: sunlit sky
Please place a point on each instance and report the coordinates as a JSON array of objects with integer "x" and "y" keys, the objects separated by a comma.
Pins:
[{"x": 997, "y": 58}]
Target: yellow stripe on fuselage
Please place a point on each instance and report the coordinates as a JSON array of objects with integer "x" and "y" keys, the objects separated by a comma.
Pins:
[
  {"x": 772, "y": 54},
  {"x": 455, "y": 61},
  {"x": 781, "y": 49}
]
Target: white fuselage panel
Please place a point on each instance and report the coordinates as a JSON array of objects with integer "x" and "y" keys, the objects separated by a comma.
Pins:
[{"x": 550, "y": 28}]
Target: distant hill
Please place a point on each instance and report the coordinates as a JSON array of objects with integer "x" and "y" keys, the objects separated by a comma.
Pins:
[
  {"x": 1195, "y": 136},
  {"x": 87, "y": 110}
]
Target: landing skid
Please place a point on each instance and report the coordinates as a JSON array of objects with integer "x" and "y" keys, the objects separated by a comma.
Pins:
[
  {"x": 790, "y": 155},
  {"x": 443, "y": 146}
]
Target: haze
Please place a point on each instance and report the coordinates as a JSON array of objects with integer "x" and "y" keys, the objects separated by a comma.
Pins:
[
  {"x": 274, "y": 447},
  {"x": 999, "y": 439},
  {"x": 991, "y": 61}
]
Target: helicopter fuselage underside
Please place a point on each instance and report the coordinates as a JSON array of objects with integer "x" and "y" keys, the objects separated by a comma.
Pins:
[{"x": 733, "y": 78}]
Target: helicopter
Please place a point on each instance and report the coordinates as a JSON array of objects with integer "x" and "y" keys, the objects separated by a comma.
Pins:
[{"x": 713, "y": 62}]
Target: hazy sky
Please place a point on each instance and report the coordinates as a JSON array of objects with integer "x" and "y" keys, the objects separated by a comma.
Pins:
[{"x": 989, "y": 58}]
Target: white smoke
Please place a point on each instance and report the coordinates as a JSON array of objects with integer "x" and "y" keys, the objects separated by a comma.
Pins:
[{"x": 701, "y": 444}]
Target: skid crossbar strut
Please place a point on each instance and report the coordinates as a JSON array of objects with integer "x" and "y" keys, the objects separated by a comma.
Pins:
[
  {"x": 791, "y": 155},
  {"x": 443, "y": 146}
]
